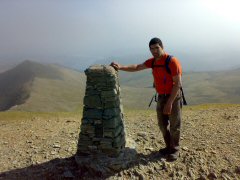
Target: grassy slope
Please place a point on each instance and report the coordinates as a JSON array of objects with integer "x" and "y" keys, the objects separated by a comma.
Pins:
[
  {"x": 137, "y": 89},
  {"x": 63, "y": 94},
  {"x": 213, "y": 87},
  {"x": 136, "y": 98},
  {"x": 56, "y": 88},
  {"x": 199, "y": 87}
]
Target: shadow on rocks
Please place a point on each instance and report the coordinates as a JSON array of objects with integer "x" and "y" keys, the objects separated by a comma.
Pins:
[{"x": 98, "y": 166}]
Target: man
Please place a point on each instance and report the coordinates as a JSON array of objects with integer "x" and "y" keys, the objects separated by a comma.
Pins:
[{"x": 168, "y": 86}]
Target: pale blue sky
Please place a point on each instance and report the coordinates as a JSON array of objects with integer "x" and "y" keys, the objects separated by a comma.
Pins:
[{"x": 100, "y": 29}]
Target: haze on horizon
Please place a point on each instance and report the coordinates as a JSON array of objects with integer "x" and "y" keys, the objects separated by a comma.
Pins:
[{"x": 203, "y": 34}]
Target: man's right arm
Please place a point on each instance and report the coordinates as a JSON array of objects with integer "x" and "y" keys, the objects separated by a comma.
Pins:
[{"x": 129, "y": 68}]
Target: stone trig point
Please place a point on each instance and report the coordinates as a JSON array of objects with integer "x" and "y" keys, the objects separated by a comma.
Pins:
[{"x": 102, "y": 127}]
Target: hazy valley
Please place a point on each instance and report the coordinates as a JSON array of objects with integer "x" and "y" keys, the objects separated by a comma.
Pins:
[{"x": 31, "y": 86}]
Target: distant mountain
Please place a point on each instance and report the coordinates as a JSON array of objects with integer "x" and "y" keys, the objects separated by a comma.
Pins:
[
  {"x": 7, "y": 64},
  {"x": 79, "y": 63},
  {"x": 33, "y": 86}
]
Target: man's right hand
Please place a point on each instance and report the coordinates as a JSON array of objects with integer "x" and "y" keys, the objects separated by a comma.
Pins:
[{"x": 115, "y": 65}]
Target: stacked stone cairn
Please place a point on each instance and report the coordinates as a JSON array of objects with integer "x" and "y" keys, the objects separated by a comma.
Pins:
[{"x": 102, "y": 127}]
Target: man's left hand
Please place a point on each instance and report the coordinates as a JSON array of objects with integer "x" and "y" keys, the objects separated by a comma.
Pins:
[{"x": 167, "y": 108}]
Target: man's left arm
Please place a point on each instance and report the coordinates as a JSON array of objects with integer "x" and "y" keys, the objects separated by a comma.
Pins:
[{"x": 177, "y": 83}]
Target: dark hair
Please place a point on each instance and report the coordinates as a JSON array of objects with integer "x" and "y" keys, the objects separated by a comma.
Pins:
[{"x": 156, "y": 41}]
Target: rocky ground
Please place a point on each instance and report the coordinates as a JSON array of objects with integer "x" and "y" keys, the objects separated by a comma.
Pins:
[{"x": 43, "y": 147}]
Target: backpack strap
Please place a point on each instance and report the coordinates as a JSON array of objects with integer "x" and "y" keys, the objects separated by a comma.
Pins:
[
  {"x": 168, "y": 60},
  {"x": 183, "y": 97}
]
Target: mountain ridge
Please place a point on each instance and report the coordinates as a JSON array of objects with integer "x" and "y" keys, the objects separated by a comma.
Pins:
[
  {"x": 18, "y": 84},
  {"x": 32, "y": 86}
]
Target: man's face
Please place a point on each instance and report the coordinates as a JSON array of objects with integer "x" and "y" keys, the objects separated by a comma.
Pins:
[{"x": 156, "y": 50}]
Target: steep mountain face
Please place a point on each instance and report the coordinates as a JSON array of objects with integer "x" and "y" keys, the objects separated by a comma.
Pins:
[{"x": 19, "y": 84}]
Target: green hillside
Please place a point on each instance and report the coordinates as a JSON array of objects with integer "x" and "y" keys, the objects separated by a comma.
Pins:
[
  {"x": 138, "y": 79},
  {"x": 47, "y": 88},
  {"x": 35, "y": 87},
  {"x": 213, "y": 87},
  {"x": 15, "y": 84},
  {"x": 31, "y": 86},
  {"x": 136, "y": 98},
  {"x": 199, "y": 87}
]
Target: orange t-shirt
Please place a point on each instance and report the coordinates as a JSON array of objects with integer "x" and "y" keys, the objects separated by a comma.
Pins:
[{"x": 162, "y": 79}]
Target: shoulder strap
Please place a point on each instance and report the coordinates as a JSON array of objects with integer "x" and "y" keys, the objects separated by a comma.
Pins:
[{"x": 168, "y": 60}]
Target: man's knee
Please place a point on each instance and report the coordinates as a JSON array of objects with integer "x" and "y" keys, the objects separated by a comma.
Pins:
[
  {"x": 175, "y": 124},
  {"x": 163, "y": 123},
  {"x": 163, "y": 129}
]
